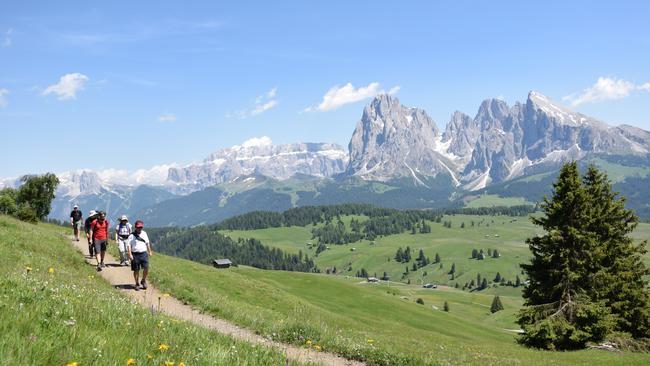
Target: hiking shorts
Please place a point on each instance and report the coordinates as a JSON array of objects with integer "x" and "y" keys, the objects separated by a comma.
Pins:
[
  {"x": 100, "y": 245},
  {"x": 140, "y": 260}
]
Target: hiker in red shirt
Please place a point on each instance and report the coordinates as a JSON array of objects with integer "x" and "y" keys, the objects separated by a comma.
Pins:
[{"x": 99, "y": 235}]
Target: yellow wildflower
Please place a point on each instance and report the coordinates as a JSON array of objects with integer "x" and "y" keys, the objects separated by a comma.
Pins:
[
  {"x": 131, "y": 361},
  {"x": 309, "y": 342},
  {"x": 50, "y": 270},
  {"x": 317, "y": 348},
  {"x": 181, "y": 363},
  {"x": 166, "y": 295},
  {"x": 90, "y": 277},
  {"x": 371, "y": 341},
  {"x": 72, "y": 364},
  {"x": 169, "y": 363},
  {"x": 28, "y": 269},
  {"x": 163, "y": 347},
  {"x": 149, "y": 357}
]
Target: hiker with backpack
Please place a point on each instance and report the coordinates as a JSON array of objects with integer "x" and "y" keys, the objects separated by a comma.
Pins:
[
  {"x": 139, "y": 251},
  {"x": 76, "y": 217},
  {"x": 92, "y": 215},
  {"x": 122, "y": 233},
  {"x": 99, "y": 235}
]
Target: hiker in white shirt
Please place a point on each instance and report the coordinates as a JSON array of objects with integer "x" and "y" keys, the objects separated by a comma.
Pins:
[
  {"x": 139, "y": 249},
  {"x": 122, "y": 233}
]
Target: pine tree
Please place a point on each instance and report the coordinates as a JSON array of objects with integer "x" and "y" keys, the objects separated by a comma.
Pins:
[
  {"x": 474, "y": 253},
  {"x": 399, "y": 255},
  {"x": 621, "y": 283},
  {"x": 453, "y": 268},
  {"x": 496, "y": 305},
  {"x": 484, "y": 284},
  {"x": 462, "y": 225},
  {"x": 489, "y": 252},
  {"x": 497, "y": 278},
  {"x": 438, "y": 258},
  {"x": 445, "y": 307},
  {"x": 517, "y": 281},
  {"x": 559, "y": 311}
]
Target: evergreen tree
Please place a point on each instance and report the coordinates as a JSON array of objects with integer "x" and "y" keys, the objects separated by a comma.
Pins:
[
  {"x": 399, "y": 255},
  {"x": 484, "y": 284},
  {"x": 445, "y": 307},
  {"x": 474, "y": 254},
  {"x": 496, "y": 305},
  {"x": 438, "y": 258},
  {"x": 517, "y": 281},
  {"x": 497, "y": 278},
  {"x": 415, "y": 267},
  {"x": 621, "y": 282},
  {"x": 561, "y": 311},
  {"x": 453, "y": 268},
  {"x": 462, "y": 225},
  {"x": 407, "y": 254},
  {"x": 489, "y": 252},
  {"x": 496, "y": 254}
]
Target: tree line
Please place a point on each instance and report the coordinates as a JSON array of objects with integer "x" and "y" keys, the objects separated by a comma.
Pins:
[
  {"x": 31, "y": 201},
  {"x": 203, "y": 244}
]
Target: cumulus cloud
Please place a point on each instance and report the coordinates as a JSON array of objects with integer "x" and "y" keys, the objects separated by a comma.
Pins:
[
  {"x": 337, "y": 96},
  {"x": 257, "y": 141},
  {"x": 68, "y": 86},
  {"x": 3, "y": 98},
  {"x": 262, "y": 104},
  {"x": 167, "y": 117},
  {"x": 605, "y": 88},
  {"x": 7, "y": 42}
]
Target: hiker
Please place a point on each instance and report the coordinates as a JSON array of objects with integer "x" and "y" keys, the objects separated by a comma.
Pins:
[
  {"x": 139, "y": 252},
  {"x": 92, "y": 215},
  {"x": 99, "y": 235},
  {"x": 122, "y": 233},
  {"x": 75, "y": 220}
]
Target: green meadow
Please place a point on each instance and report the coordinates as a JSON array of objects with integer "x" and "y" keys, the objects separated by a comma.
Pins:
[{"x": 56, "y": 310}]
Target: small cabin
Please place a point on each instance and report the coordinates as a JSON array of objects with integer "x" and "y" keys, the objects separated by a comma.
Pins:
[{"x": 222, "y": 263}]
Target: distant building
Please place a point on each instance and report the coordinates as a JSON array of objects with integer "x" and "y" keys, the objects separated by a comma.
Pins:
[
  {"x": 373, "y": 279},
  {"x": 222, "y": 263}
]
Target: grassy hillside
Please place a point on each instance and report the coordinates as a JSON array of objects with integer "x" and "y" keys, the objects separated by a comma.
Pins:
[
  {"x": 55, "y": 310},
  {"x": 454, "y": 245},
  {"x": 379, "y": 323}
]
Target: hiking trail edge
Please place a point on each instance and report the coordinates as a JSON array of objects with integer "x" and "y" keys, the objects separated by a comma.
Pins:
[{"x": 122, "y": 278}]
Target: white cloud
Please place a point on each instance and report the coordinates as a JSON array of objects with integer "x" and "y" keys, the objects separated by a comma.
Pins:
[
  {"x": 167, "y": 117},
  {"x": 7, "y": 42},
  {"x": 337, "y": 96},
  {"x": 68, "y": 86},
  {"x": 605, "y": 88},
  {"x": 257, "y": 141},
  {"x": 3, "y": 99},
  {"x": 262, "y": 103}
]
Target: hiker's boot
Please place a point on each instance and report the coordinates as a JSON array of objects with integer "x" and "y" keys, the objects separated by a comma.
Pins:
[{"x": 144, "y": 284}]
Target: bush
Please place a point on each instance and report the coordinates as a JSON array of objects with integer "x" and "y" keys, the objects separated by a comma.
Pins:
[
  {"x": 420, "y": 301},
  {"x": 26, "y": 213}
]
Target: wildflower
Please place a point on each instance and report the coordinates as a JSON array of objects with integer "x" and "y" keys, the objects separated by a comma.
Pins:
[
  {"x": 163, "y": 347},
  {"x": 72, "y": 364},
  {"x": 149, "y": 357},
  {"x": 166, "y": 295},
  {"x": 317, "y": 348},
  {"x": 50, "y": 270},
  {"x": 371, "y": 341},
  {"x": 309, "y": 342},
  {"x": 181, "y": 363},
  {"x": 131, "y": 361},
  {"x": 90, "y": 277},
  {"x": 28, "y": 269},
  {"x": 169, "y": 363}
]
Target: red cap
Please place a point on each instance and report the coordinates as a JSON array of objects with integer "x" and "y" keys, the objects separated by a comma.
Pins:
[{"x": 139, "y": 223}]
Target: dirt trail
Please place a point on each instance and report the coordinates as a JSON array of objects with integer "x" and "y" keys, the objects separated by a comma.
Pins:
[{"x": 122, "y": 278}]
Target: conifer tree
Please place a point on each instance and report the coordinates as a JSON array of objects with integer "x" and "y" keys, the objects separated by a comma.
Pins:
[
  {"x": 496, "y": 305},
  {"x": 561, "y": 311},
  {"x": 438, "y": 258},
  {"x": 445, "y": 307}
]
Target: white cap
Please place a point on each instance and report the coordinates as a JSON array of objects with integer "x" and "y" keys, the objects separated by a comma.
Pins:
[
  {"x": 124, "y": 218},
  {"x": 75, "y": 206},
  {"x": 92, "y": 213}
]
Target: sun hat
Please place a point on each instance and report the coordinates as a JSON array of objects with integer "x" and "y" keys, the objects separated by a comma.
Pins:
[
  {"x": 124, "y": 218},
  {"x": 139, "y": 223},
  {"x": 92, "y": 213},
  {"x": 75, "y": 206}
]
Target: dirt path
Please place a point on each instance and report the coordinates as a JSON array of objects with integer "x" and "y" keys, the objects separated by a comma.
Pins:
[{"x": 122, "y": 278}]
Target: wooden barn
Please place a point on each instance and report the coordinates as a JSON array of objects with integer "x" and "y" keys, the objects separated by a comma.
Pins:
[{"x": 222, "y": 263}]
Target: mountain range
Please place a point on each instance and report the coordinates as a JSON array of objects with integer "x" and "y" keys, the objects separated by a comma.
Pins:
[{"x": 396, "y": 157}]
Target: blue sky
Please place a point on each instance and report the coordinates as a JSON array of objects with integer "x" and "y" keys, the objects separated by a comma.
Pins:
[{"x": 129, "y": 85}]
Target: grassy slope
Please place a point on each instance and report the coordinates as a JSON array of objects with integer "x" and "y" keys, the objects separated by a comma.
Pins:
[
  {"x": 490, "y": 200},
  {"x": 71, "y": 315},
  {"x": 342, "y": 315}
]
